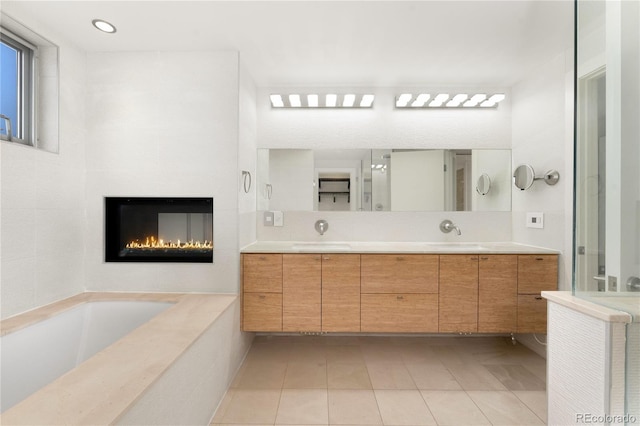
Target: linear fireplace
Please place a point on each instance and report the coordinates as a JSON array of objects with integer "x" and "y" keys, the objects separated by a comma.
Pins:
[{"x": 158, "y": 229}]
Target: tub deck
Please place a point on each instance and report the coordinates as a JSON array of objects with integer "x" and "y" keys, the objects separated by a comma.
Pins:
[{"x": 100, "y": 390}]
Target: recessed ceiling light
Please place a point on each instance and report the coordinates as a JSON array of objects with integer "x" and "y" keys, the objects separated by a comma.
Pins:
[
  {"x": 348, "y": 100},
  {"x": 104, "y": 26}
]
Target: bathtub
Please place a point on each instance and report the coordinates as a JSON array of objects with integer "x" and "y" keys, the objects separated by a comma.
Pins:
[
  {"x": 40, "y": 353},
  {"x": 165, "y": 366}
]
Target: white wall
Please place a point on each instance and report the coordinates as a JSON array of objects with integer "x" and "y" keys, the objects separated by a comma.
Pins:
[
  {"x": 163, "y": 124},
  {"x": 42, "y": 207},
  {"x": 247, "y": 157},
  {"x": 543, "y": 138}
]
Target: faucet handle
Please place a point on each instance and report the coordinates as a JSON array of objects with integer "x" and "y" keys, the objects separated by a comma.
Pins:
[
  {"x": 321, "y": 226},
  {"x": 447, "y": 226}
]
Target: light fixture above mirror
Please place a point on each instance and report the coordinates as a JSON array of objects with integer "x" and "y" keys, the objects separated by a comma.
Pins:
[
  {"x": 446, "y": 100},
  {"x": 328, "y": 100}
]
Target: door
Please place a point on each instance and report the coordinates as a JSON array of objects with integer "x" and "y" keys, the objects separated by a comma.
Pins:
[{"x": 341, "y": 292}]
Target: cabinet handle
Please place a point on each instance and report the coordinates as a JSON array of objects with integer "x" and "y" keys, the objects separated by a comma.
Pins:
[
  {"x": 326, "y": 258},
  {"x": 539, "y": 258},
  {"x": 474, "y": 258},
  {"x": 400, "y": 258},
  {"x": 262, "y": 296},
  {"x": 262, "y": 258},
  {"x": 400, "y": 297},
  {"x": 484, "y": 258},
  {"x": 538, "y": 297}
]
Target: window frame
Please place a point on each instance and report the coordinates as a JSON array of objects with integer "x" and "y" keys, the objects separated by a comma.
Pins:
[{"x": 23, "y": 131}]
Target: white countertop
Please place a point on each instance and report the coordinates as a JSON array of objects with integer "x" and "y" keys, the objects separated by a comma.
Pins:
[{"x": 392, "y": 247}]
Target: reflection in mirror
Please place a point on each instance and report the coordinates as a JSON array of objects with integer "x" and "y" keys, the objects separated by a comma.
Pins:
[
  {"x": 383, "y": 180},
  {"x": 483, "y": 186}
]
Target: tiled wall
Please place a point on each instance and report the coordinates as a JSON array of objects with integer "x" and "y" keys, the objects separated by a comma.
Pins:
[
  {"x": 163, "y": 124},
  {"x": 42, "y": 210}
]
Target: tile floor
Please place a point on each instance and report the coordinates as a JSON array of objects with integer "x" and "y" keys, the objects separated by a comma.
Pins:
[{"x": 440, "y": 380}]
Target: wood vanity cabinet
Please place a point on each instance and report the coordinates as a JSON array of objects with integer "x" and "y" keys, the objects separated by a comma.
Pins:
[
  {"x": 396, "y": 293},
  {"x": 458, "y": 295},
  {"x": 341, "y": 292},
  {"x": 301, "y": 292},
  {"x": 262, "y": 292},
  {"x": 536, "y": 273},
  {"x": 399, "y": 293},
  {"x": 497, "y": 293}
]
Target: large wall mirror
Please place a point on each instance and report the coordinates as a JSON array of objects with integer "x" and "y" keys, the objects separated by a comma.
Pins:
[{"x": 384, "y": 180}]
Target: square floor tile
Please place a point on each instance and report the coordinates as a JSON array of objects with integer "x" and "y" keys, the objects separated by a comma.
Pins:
[
  {"x": 504, "y": 408},
  {"x": 306, "y": 375},
  {"x": 347, "y": 376},
  {"x": 252, "y": 406},
  {"x": 353, "y": 407},
  {"x": 454, "y": 408},
  {"x": 432, "y": 376},
  {"x": 303, "y": 407},
  {"x": 516, "y": 377},
  {"x": 390, "y": 376},
  {"x": 475, "y": 377},
  {"x": 536, "y": 401},
  {"x": 403, "y": 407},
  {"x": 257, "y": 374}
]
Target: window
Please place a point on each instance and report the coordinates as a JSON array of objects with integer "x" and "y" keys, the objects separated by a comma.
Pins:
[{"x": 16, "y": 89}]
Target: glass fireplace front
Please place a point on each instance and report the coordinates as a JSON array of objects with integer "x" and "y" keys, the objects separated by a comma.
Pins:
[{"x": 158, "y": 229}]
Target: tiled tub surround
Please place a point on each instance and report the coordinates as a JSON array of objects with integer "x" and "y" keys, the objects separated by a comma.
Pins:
[{"x": 187, "y": 354}]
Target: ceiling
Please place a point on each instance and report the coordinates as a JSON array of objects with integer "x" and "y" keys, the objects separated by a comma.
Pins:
[{"x": 329, "y": 43}]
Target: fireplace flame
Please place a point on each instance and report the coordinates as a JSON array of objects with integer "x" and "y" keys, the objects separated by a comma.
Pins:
[{"x": 154, "y": 243}]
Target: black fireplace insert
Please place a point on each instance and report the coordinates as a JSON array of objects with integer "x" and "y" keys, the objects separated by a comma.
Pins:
[{"x": 148, "y": 229}]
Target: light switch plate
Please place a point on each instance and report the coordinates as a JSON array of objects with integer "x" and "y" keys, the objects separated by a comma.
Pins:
[
  {"x": 267, "y": 219},
  {"x": 278, "y": 218},
  {"x": 535, "y": 220}
]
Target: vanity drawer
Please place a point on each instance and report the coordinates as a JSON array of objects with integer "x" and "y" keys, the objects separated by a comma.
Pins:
[
  {"x": 532, "y": 314},
  {"x": 399, "y": 313},
  {"x": 262, "y": 273},
  {"x": 399, "y": 273},
  {"x": 262, "y": 311},
  {"x": 537, "y": 273}
]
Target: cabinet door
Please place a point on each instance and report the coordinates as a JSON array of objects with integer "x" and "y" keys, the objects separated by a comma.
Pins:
[
  {"x": 262, "y": 273},
  {"x": 537, "y": 273},
  {"x": 532, "y": 314},
  {"x": 399, "y": 313},
  {"x": 301, "y": 292},
  {"x": 341, "y": 292},
  {"x": 458, "y": 293},
  {"x": 497, "y": 293},
  {"x": 401, "y": 273},
  {"x": 262, "y": 311}
]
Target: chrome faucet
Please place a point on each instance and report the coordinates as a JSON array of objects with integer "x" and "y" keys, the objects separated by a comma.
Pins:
[
  {"x": 321, "y": 226},
  {"x": 447, "y": 226}
]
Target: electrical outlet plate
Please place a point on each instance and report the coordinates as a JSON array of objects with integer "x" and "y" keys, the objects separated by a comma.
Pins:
[
  {"x": 278, "y": 218},
  {"x": 267, "y": 219},
  {"x": 535, "y": 220}
]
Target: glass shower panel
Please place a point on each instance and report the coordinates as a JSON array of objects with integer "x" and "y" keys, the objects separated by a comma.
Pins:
[{"x": 607, "y": 171}]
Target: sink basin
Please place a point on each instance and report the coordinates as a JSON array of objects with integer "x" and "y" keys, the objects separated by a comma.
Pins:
[{"x": 321, "y": 247}]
